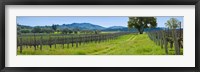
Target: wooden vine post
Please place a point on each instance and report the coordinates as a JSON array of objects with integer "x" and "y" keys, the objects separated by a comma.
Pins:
[
  {"x": 63, "y": 41},
  {"x": 72, "y": 41},
  {"x": 76, "y": 41},
  {"x": 34, "y": 41},
  {"x": 41, "y": 38},
  {"x": 165, "y": 42},
  {"x": 20, "y": 44},
  {"x": 50, "y": 41},
  {"x": 177, "y": 49}
]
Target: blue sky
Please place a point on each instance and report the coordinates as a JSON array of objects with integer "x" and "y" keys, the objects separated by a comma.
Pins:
[{"x": 105, "y": 21}]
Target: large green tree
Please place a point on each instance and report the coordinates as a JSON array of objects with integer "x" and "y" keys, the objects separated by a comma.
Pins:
[{"x": 140, "y": 23}]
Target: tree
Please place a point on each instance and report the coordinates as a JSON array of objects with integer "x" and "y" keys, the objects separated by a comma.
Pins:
[
  {"x": 65, "y": 31},
  {"x": 70, "y": 31},
  {"x": 25, "y": 31},
  {"x": 54, "y": 27},
  {"x": 58, "y": 30},
  {"x": 83, "y": 31},
  {"x": 18, "y": 30},
  {"x": 36, "y": 29},
  {"x": 47, "y": 30},
  {"x": 172, "y": 23},
  {"x": 75, "y": 30},
  {"x": 97, "y": 31},
  {"x": 140, "y": 23}
]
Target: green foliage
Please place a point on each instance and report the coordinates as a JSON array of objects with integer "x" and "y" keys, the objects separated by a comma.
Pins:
[
  {"x": 70, "y": 31},
  {"x": 97, "y": 31},
  {"x": 25, "y": 31},
  {"x": 65, "y": 31},
  {"x": 24, "y": 26},
  {"x": 18, "y": 30},
  {"x": 58, "y": 30},
  {"x": 140, "y": 23},
  {"x": 87, "y": 31},
  {"x": 36, "y": 29},
  {"x": 75, "y": 30},
  {"x": 47, "y": 30},
  {"x": 54, "y": 27},
  {"x": 172, "y": 23}
]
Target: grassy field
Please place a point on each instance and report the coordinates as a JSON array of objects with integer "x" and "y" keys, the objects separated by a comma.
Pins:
[{"x": 124, "y": 45}]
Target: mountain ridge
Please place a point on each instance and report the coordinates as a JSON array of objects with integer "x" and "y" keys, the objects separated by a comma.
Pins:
[{"x": 90, "y": 26}]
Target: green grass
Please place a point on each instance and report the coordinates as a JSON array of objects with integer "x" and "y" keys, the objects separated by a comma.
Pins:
[{"x": 124, "y": 45}]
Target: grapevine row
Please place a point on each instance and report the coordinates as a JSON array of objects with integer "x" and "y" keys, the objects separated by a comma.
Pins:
[
  {"x": 38, "y": 40},
  {"x": 164, "y": 37}
]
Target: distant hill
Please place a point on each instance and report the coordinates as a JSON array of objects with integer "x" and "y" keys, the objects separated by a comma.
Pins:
[
  {"x": 117, "y": 28},
  {"x": 81, "y": 26},
  {"x": 24, "y": 26},
  {"x": 89, "y": 26}
]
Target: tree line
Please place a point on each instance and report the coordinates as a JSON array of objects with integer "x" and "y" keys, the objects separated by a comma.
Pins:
[{"x": 53, "y": 29}]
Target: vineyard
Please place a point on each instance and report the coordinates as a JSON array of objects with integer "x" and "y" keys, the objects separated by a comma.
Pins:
[
  {"x": 169, "y": 42},
  {"x": 39, "y": 40},
  {"x": 165, "y": 37}
]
